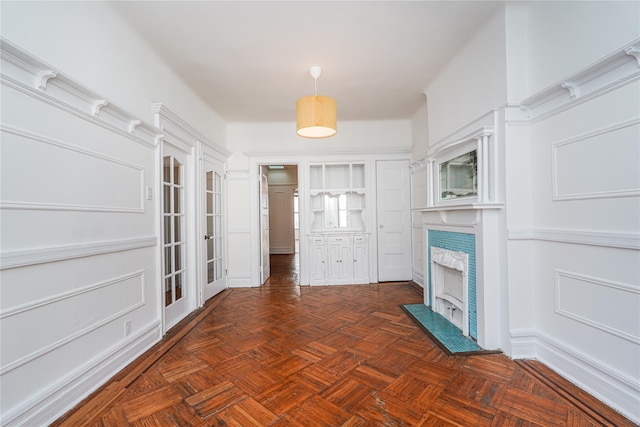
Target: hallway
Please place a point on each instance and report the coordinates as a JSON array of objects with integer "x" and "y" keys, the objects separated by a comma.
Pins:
[{"x": 288, "y": 355}]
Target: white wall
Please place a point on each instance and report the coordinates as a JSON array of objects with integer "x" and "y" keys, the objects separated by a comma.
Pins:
[
  {"x": 571, "y": 185},
  {"x": 94, "y": 45},
  {"x": 278, "y": 142},
  {"x": 566, "y": 36},
  {"x": 79, "y": 236},
  {"x": 572, "y": 196},
  {"x": 471, "y": 84}
]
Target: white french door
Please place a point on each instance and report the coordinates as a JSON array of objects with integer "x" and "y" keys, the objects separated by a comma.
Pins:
[
  {"x": 213, "y": 222},
  {"x": 394, "y": 220},
  {"x": 174, "y": 241}
]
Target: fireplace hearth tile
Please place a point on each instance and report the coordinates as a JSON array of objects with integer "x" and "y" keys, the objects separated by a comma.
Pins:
[{"x": 444, "y": 333}]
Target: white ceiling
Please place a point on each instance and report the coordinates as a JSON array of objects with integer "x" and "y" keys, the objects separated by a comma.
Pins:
[{"x": 250, "y": 60}]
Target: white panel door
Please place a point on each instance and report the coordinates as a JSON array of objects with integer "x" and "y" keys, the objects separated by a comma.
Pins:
[
  {"x": 265, "y": 271},
  {"x": 213, "y": 223},
  {"x": 174, "y": 174},
  {"x": 281, "y": 232},
  {"x": 394, "y": 220}
]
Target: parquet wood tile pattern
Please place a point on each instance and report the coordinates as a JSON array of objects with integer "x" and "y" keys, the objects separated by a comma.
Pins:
[{"x": 283, "y": 355}]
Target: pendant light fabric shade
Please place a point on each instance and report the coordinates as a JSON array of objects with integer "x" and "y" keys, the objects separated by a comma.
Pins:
[{"x": 316, "y": 117}]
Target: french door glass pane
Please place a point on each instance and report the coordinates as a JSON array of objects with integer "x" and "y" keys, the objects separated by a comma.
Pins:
[
  {"x": 218, "y": 263},
  {"x": 167, "y": 229},
  {"x": 178, "y": 286},
  {"x": 178, "y": 257},
  {"x": 209, "y": 224},
  {"x": 177, "y": 169},
  {"x": 210, "y": 276},
  {"x": 172, "y": 229},
  {"x": 177, "y": 230},
  {"x": 218, "y": 252},
  {"x": 167, "y": 260},
  {"x": 176, "y": 200},
  {"x": 168, "y": 297},
  {"x": 210, "y": 253}
]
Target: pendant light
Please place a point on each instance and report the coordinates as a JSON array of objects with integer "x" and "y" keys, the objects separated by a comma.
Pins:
[{"x": 316, "y": 115}]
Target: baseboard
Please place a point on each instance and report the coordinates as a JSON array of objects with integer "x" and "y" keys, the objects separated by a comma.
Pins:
[
  {"x": 523, "y": 344},
  {"x": 240, "y": 282},
  {"x": 52, "y": 403},
  {"x": 603, "y": 382},
  {"x": 417, "y": 287}
]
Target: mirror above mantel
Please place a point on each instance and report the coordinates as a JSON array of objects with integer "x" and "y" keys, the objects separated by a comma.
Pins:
[{"x": 461, "y": 171}]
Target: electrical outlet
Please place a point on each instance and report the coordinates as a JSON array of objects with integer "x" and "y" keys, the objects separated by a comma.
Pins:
[{"x": 127, "y": 328}]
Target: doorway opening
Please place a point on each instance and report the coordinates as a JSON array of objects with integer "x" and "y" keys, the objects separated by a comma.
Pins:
[{"x": 280, "y": 223}]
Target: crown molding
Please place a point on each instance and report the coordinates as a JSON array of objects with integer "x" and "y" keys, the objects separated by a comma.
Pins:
[
  {"x": 174, "y": 126},
  {"x": 616, "y": 69},
  {"x": 26, "y": 73}
]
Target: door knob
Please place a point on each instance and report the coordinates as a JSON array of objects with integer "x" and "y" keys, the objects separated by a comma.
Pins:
[{"x": 381, "y": 226}]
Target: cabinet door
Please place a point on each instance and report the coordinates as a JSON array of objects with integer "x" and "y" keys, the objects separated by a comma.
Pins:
[
  {"x": 334, "y": 270},
  {"x": 346, "y": 262},
  {"x": 318, "y": 263},
  {"x": 339, "y": 260},
  {"x": 360, "y": 260}
]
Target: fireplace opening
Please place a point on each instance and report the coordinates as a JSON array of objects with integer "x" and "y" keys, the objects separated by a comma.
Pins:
[{"x": 449, "y": 285}]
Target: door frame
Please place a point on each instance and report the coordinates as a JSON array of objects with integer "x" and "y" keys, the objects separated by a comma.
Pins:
[
  {"x": 190, "y": 276},
  {"x": 208, "y": 154},
  {"x": 183, "y": 136},
  {"x": 406, "y": 221},
  {"x": 265, "y": 271},
  {"x": 255, "y": 163}
]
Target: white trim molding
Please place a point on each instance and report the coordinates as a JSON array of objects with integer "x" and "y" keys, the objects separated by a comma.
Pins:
[
  {"x": 62, "y": 253},
  {"x": 178, "y": 129},
  {"x": 50, "y": 404},
  {"x": 98, "y": 323},
  {"x": 578, "y": 237},
  {"x": 614, "y": 70},
  {"x": 604, "y": 382},
  {"x": 25, "y": 73},
  {"x": 626, "y": 297},
  {"x": 629, "y": 187}
]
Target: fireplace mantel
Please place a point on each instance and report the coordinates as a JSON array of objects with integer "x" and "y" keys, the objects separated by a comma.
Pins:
[{"x": 458, "y": 207}]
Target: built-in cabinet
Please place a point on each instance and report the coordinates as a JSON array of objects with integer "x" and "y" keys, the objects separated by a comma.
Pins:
[
  {"x": 338, "y": 239},
  {"x": 338, "y": 259}
]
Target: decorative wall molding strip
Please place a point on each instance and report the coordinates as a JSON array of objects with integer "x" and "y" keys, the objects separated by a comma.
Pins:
[
  {"x": 74, "y": 336},
  {"x": 627, "y": 297},
  {"x": 612, "y": 71},
  {"x": 32, "y": 305},
  {"x": 580, "y": 237},
  {"x": 67, "y": 147},
  {"x": 628, "y": 187},
  {"x": 24, "y": 72},
  {"x": 52, "y": 403},
  {"x": 62, "y": 253}
]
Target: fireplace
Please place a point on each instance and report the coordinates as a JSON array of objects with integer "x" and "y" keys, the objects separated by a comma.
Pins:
[
  {"x": 450, "y": 286},
  {"x": 451, "y": 278}
]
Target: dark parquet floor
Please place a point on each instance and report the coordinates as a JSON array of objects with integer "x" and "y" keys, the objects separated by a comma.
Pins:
[{"x": 284, "y": 355}]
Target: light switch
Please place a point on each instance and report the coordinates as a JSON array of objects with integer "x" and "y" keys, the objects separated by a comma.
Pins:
[{"x": 149, "y": 193}]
